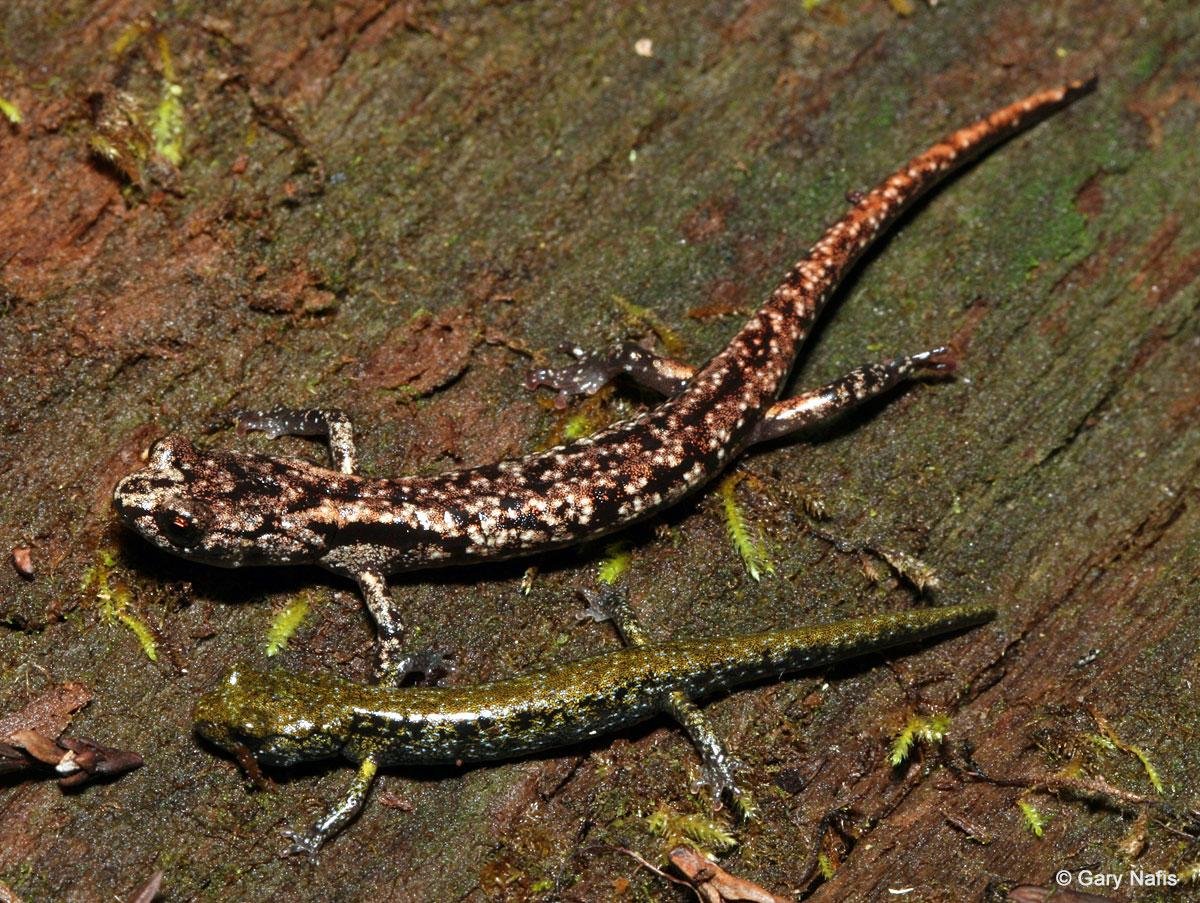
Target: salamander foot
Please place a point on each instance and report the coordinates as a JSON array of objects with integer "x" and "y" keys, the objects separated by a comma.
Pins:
[
  {"x": 595, "y": 369},
  {"x": 309, "y": 842},
  {"x": 718, "y": 775},
  {"x": 426, "y": 666},
  {"x": 303, "y": 844}
]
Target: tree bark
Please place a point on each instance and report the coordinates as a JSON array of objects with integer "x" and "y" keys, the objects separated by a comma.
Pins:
[{"x": 397, "y": 208}]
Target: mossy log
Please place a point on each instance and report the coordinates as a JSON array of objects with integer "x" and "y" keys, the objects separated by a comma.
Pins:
[{"x": 397, "y": 209}]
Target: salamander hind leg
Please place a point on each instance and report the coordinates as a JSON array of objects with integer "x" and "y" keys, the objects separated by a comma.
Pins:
[
  {"x": 595, "y": 369},
  {"x": 849, "y": 391},
  {"x": 331, "y": 425},
  {"x": 717, "y": 766},
  {"x": 310, "y": 841}
]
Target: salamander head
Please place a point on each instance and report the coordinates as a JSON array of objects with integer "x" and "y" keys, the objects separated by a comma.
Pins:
[
  {"x": 273, "y": 718},
  {"x": 227, "y": 509}
]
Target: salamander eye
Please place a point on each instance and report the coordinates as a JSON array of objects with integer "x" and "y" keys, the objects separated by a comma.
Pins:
[{"x": 179, "y": 526}]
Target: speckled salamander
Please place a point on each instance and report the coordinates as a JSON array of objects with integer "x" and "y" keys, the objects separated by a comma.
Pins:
[
  {"x": 284, "y": 719},
  {"x": 234, "y": 509}
]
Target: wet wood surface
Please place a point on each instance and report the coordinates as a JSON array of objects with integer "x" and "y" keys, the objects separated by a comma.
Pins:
[{"x": 397, "y": 209}]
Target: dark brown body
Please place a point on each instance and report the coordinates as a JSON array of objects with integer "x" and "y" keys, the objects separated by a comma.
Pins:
[
  {"x": 231, "y": 510},
  {"x": 247, "y": 509}
]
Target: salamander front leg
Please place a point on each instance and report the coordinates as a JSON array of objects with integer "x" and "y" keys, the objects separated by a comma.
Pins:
[
  {"x": 595, "y": 369},
  {"x": 394, "y": 664},
  {"x": 612, "y": 604},
  {"x": 339, "y": 816},
  {"x": 331, "y": 425},
  {"x": 849, "y": 391},
  {"x": 716, "y": 764},
  {"x": 389, "y": 629}
]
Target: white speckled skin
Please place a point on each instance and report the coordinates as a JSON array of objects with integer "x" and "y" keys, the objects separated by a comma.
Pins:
[{"x": 231, "y": 509}]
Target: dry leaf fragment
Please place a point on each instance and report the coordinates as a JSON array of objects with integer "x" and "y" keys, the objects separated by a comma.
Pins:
[
  {"x": 149, "y": 890},
  {"x": 715, "y": 885},
  {"x": 48, "y": 714},
  {"x": 429, "y": 352},
  {"x": 75, "y": 759},
  {"x": 38, "y": 746},
  {"x": 12, "y": 759},
  {"x": 85, "y": 759},
  {"x": 27, "y": 739}
]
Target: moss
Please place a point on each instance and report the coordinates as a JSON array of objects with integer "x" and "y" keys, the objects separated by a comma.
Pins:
[
  {"x": 577, "y": 426},
  {"x": 745, "y": 539},
  {"x": 10, "y": 111},
  {"x": 920, "y": 575},
  {"x": 116, "y": 601},
  {"x": 693, "y": 830},
  {"x": 1146, "y": 63},
  {"x": 825, "y": 866},
  {"x": 1109, "y": 739},
  {"x": 1035, "y": 821},
  {"x": 638, "y": 317},
  {"x": 1065, "y": 450},
  {"x": 615, "y": 563},
  {"x": 129, "y": 35},
  {"x": 285, "y": 623},
  {"x": 1189, "y": 873},
  {"x": 919, "y": 728},
  {"x": 167, "y": 125}
]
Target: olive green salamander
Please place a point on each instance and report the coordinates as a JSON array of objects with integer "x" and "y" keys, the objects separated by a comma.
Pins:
[{"x": 284, "y": 719}]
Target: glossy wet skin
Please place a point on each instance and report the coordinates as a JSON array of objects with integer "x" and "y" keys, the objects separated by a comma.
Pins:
[
  {"x": 283, "y": 719},
  {"x": 227, "y": 509},
  {"x": 230, "y": 509},
  {"x": 268, "y": 720}
]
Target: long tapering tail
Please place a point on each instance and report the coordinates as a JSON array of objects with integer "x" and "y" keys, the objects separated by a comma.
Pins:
[{"x": 809, "y": 283}]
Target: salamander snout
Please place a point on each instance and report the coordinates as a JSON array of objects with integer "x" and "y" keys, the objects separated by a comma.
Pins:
[
  {"x": 142, "y": 492},
  {"x": 269, "y": 718}
]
